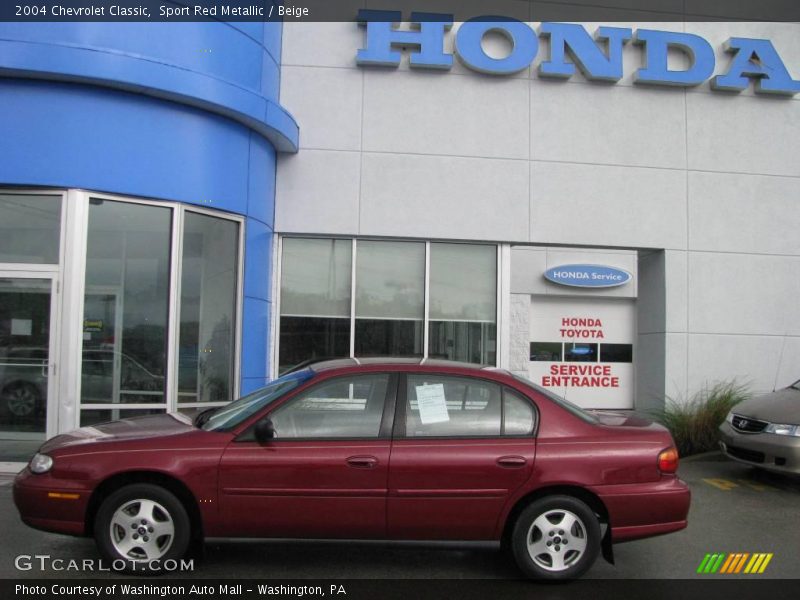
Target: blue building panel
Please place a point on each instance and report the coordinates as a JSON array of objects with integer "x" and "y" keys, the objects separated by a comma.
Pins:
[
  {"x": 67, "y": 135},
  {"x": 215, "y": 50},
  {"x": 261, "y": 180},
  {"x": 255, "y": 338},
  {"x": 185, "y": 112},
  {"x": 258, "y": 259},
  {"x": 240, "y": 81},
  {"x": 251, "y": 384},
  {"x": 273, "y": 36}
]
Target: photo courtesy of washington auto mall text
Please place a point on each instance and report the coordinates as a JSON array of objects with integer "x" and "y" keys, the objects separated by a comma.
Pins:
[{"x": 163, "y": 590}]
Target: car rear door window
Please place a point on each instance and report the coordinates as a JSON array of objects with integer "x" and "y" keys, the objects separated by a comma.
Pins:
[
  {"x": 345, "y": 407},
  {"x": 447, "y": 406},
  {"x": 518, "y": 416}
]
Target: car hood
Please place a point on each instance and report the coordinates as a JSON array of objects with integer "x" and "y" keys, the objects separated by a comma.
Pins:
[
  {"x": 125, "y": 429},
  {"x": 782, "y": 406}
]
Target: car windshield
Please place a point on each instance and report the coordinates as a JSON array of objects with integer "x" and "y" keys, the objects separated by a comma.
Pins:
[
  {"x": 562, "y": 402},
  {"x": 229, "y": 416}
]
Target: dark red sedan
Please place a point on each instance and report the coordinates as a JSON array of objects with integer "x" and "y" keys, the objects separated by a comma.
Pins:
[{"x": 369, "y": 449}]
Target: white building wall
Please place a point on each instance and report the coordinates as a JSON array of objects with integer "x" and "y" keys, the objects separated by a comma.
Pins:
[{"x": 710, "y": 181}]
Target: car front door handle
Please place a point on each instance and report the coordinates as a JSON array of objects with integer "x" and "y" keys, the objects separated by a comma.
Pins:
[
  {"x": 362, "y": 462},
  {"x": 512, "y": 461}
]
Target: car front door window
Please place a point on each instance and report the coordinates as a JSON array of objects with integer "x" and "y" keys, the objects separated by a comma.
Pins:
[{"x": 346, "y": 407}]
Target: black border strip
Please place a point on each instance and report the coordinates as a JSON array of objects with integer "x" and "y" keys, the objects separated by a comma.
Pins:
[
  {"x": 346, "y": 10},
  {"x": 404, "y": 589}
]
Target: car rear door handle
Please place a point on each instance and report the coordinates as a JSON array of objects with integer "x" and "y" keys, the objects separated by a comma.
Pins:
[
  {"x": 512, "y": 461},
  {"x": 362, "y": 462}
]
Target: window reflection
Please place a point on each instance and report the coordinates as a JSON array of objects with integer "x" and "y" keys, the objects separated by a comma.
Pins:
[
  {"x": 463, "y": 303},
  {"x": 30, "y": 228},
  {"x": 580, "y": 352},
  {"x": 390, "y": 309},
  {"x": 207, "y": 309},
  {"x": 390, "y": 298},
  {"x": 126, "y": 304},
  {"x": 315, "y": 300}
]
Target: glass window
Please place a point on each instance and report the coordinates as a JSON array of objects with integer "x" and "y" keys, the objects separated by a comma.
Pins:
[
  {"x": 229, "y": 416},
  {"x": 346, "y": 407},
  {"x": 580, "y": 352},
  {"x": 465, "y": 342},
  {"x": 312, "y": 338},
  {"x": 388, "y": 337},
  {"x": 463, "y": 282},
  {"x": 30, "y": 228},
  {"x": 315, "y": 277},
  {"x": 616, "y": 353},
  {"x": 562, "y": 402},
  {"x": 390, "y": 280},
  {"x": 315, "y": 300},
  {"x": 546, "y": 351},
  {"x": 517, "y": 414},
  {"x": 463, "y": 302},
  {"x": 97, "y": 416},
  {"x": 209, "y": 276},
  {"x": 390, "y": 298},
  {"x": 24, "y": 349},
  {"x": 442, "y": 406},
  {"x": 126, "y": 304}
]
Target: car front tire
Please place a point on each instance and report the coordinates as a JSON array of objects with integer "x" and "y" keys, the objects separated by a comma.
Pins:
[
  {"x": 140, "y": 527},
  {"x": 556, "y": 538}
]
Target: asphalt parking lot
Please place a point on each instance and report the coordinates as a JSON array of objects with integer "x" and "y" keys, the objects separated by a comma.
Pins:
[{"x": 735, "y": 508}]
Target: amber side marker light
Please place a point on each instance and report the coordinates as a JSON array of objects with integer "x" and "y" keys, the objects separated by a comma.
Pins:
[
  {"x": 63, "y": 496},
  {"x": 668, "y": 460}
]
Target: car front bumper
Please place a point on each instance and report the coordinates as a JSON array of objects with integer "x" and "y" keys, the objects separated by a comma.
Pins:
[
  {"x": 779, "y": 453},
  {"x": 51, "y": 504}
]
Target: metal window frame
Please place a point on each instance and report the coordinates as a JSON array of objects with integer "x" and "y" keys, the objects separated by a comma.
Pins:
[
  {"x": 177, "y": 260},
  {"x": 502, "y": 286},
  {"x": 51, "y": 279},
  {"x": 178, "y": 210},
  {"x": 55, "y": 272}
]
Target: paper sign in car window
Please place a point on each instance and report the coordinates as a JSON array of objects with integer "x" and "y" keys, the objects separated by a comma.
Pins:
[{"x": 432, "y": 404}]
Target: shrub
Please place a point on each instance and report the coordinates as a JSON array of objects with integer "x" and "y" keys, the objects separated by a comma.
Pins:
[{"x": 694, "y": 425}]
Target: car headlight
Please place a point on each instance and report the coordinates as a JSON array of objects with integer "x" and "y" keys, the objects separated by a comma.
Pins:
[
  {"x": 783, "y": 429},
  {"x": 729, "y": 418},
  {"x": 41, "y": 463}
]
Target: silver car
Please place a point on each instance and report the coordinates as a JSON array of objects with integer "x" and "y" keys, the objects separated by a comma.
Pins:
[
  {"x": 23, "y": 381},
  {"x": 765, "y": 431}
]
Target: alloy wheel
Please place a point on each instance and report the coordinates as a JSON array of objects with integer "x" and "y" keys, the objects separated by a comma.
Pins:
[
  {"x": 21, "y": 400},
  {"x": 556, "y": 540},
  {"x": 142, "y": 530}
]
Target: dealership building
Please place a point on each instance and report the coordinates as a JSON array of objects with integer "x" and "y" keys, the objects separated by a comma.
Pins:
[{"x": 189, "y": 209}]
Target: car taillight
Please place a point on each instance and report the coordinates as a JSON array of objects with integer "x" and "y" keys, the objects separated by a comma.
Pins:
[{"x": 668, "y": 460}]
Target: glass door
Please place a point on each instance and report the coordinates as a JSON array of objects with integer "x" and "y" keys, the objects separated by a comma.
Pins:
[{"x": 27, "y": 367}]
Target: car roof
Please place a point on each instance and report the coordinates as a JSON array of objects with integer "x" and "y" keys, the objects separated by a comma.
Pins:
[{"x": 345, "y": 363}]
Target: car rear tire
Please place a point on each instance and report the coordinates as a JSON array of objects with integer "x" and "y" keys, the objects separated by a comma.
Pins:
[
  {"x": 556, "y": 538},
  {"x": 141, "y": 523}
]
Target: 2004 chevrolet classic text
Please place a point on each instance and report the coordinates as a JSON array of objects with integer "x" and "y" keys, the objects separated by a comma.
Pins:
[{"x": 369, "y": 449}]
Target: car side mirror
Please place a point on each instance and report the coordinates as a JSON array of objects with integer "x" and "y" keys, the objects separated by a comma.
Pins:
[{"x": 264, "y": 430}]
